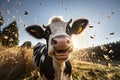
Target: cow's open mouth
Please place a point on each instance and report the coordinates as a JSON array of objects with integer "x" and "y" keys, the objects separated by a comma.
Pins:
[
  {"x": 61, "y": 51},
  {"x": 61, "y": 54}
]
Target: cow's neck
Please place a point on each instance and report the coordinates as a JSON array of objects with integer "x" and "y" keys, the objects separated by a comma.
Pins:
[{"x": 59, "y": 69}]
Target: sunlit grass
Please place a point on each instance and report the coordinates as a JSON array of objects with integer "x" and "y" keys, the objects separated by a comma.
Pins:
[{"x": 87, "y": 71}]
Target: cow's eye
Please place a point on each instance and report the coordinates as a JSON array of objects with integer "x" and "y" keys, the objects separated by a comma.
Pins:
[
  {"x": 68, "y": 30},
  {"x": 47, "y": 32}
]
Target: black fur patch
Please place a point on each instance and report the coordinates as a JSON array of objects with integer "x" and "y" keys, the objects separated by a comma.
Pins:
[
  {"x": 47, "y": 32},
  {"x": 46, "y": 67},
  {"x": 68, "y": 69}
]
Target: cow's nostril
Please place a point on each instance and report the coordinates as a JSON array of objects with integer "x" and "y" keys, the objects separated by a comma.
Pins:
[
  {"x": 54, "y": 42},
  {"x": 68, "y": 41}
]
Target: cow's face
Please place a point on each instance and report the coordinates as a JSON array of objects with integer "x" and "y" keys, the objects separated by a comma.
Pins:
[{"x": 58, "y": 36}]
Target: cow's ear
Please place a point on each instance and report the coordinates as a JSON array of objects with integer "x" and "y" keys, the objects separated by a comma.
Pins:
[
  {"x": 36, "y": 31},
  {"x": 78, "y": 26}
]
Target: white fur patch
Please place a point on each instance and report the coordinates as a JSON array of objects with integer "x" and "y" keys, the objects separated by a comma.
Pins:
[
  {"x": 42, "y": 58},
  {"x": 61, "y": 17}
]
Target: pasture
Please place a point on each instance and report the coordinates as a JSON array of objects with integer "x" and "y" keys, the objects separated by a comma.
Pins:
[{"x": 16, "y": 64}]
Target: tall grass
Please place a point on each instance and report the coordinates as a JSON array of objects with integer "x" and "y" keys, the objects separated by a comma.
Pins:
[{"x": 16, "y": 64}]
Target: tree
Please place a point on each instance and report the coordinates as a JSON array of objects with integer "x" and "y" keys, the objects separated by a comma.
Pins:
[
  {"x": 10, "y": 35},
  {"x": 1, "y": 23}
]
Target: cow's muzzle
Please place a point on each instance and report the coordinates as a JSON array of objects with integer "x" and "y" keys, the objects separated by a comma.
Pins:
[{"x": 62, "y": 47}]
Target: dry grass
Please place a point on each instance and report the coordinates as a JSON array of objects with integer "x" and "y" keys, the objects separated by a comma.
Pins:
[{"x": 16, "y": 64}]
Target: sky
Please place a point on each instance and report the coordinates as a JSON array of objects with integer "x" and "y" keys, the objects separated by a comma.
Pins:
[{"x": 103, "y": 15}]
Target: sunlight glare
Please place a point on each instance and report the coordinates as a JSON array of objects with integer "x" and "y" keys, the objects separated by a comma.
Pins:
[
  {"x": 80, "y": 41},
  {"x": 75, "y": 42}
]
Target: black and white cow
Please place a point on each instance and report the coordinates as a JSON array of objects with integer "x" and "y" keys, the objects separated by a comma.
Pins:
[{"x": 53, "y": 57}]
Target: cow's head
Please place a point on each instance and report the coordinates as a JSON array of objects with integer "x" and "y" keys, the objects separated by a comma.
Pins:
[{"x": 58, "y": 36}]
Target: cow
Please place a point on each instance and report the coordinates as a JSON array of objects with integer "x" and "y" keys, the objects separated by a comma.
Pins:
[{"x": 53, "y": 58}]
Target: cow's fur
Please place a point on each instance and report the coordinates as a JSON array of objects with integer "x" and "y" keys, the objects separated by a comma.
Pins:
[{"x": 53, "y": 57}]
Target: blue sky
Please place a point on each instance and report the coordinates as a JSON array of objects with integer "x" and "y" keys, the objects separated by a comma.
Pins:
[{"x": 105, "y": 12}]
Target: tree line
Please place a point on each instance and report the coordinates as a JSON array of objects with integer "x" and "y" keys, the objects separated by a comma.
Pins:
[{"x": 108, "y": 52}]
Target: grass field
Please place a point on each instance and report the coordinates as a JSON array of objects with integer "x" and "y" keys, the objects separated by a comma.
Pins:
[{"x": 16, "y": 64}]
